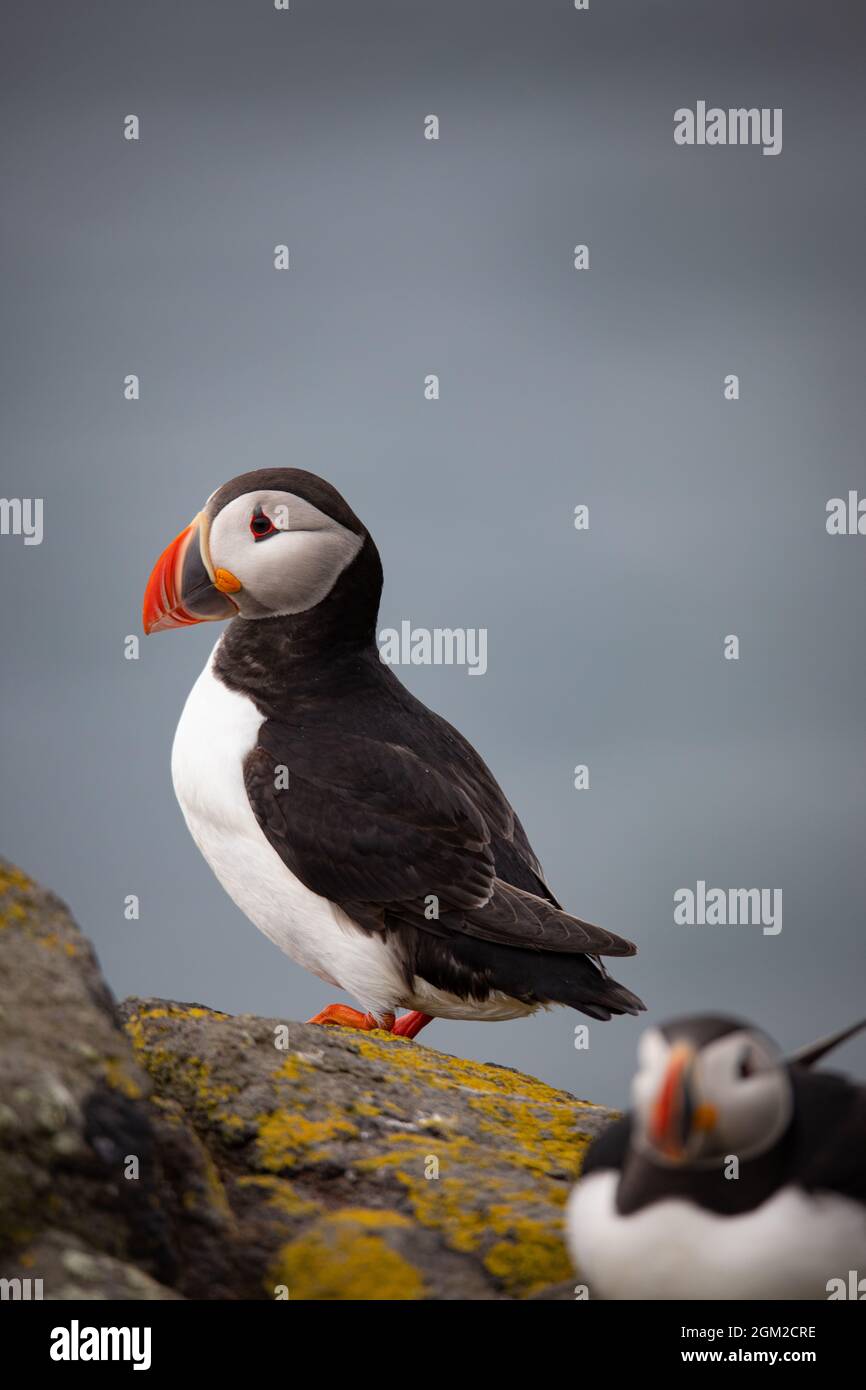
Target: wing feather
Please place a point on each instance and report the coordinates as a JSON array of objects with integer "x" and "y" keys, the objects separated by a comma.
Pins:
[{"x": 369, "y": 824}]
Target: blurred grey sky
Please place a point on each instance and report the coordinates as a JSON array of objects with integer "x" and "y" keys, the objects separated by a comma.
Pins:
[{"x": 557, "y": 387}]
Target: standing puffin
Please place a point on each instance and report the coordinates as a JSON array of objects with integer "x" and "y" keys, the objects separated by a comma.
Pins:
[
  {"x": 738, "y": 1175},
  {"x": 353, "y": 826}
]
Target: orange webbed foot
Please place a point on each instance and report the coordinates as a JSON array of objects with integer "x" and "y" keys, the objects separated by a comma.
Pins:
[{"x": 344, "y": 1017}]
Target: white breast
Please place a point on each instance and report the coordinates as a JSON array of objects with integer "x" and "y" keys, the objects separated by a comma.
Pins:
[
  {"x": 217, "y": 729},
  {"x": 787, "y": 1248}
]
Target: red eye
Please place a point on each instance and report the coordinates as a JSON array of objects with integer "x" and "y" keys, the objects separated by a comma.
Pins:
[{"x": 261, "y": 525}]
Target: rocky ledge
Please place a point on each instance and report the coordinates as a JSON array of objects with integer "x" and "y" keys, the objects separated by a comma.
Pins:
[{"x": 162, "y": 1150}]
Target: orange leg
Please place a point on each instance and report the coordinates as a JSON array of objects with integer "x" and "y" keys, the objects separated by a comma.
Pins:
[
  {"x": 352, "y": 1018},
  {"x": 410, "y": 1025}
]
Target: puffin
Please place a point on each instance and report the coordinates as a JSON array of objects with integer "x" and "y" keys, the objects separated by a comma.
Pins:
[
  {"x": 353, "y": 826},
  {"x": 738, "y": 1174}
]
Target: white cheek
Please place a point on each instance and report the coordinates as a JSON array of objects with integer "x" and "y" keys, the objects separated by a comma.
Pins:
[
  {"x": 652, "y": 1051},
  {"x": 293, "y": 571},
  {"x": 753, "y": 1115},
  {"x": 287, "y": 572},
  {"x": 644, "y": 1088},
  {"x": 652, "y": 1055}
]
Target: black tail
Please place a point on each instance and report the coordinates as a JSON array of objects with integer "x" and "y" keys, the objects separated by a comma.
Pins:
[{"x": 473, "y": 969}]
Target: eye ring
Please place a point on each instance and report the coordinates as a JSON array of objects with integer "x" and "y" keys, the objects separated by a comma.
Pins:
[{"x": 261, "y": 525}]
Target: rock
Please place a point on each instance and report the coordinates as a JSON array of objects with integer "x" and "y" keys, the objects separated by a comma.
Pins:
[
  {"x": 273, "y": 1159},
  {"x": 73, "y": 1103}
]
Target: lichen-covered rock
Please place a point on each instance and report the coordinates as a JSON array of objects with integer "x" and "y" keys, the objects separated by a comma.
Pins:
[
  {"x": 273, "y": 1159},
  {"x": 72, "y": 1106},
  {"x": 374, "y": 1166}
]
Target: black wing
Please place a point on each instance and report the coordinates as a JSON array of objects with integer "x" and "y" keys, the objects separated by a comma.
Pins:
[
  {"x": 371, "y": 825},
  {"x": 828, "y": 1140},
  {"x": 610, "y": 1149}
]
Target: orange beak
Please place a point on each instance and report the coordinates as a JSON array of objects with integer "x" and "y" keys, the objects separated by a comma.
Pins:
[
  {"x": 675, "y": 1117},
  {"x": 183, "y": 588}
]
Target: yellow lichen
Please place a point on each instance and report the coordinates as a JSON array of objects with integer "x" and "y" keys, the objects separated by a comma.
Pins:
[
  {"x": 15, "y": 878},
  {"x": 545, "y": 1141},
  {"x": 530, "y": 1253},
  {"x": 118, "y": 1079},
  {"x": 524, "y": 1252},
  {"x": 213, "y": 1196},
  {"x": 190, "y": 1077},
  {"x": 293, "y": 1069},
  {"x": 280, "y": 1194},
  {"x": 507, "y": 1150},
  {"x": 365, "y": 1108},
  {"x": 369, "y": 1217},
  {"x": 411, "y": 1150},
  {"x": 342, "y": 1258},
  {"x": 284, "y": 1137},
  {"x": 532, "y": 1259}
]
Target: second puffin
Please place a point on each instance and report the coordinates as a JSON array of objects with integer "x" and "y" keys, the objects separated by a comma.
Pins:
[{"x": 355, "y": 828}]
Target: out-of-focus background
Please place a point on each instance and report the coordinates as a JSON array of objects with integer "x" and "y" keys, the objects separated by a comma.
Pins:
[{"x": 558, "y": 387}]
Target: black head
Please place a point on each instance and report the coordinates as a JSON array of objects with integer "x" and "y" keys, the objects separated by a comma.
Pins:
[{"x": 709, "y": 1086}]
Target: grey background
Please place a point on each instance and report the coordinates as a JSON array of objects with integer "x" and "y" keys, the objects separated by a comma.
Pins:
[{"x": 602, "y": 387}]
